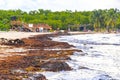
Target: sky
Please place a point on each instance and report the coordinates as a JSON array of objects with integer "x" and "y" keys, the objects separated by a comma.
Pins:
[{"x": 59, "y": 5}]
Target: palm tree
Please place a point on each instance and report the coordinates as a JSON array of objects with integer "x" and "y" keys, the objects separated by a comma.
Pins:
[
  {"x": 96, "y": 19},
  {"x": 110, "y": 19}
]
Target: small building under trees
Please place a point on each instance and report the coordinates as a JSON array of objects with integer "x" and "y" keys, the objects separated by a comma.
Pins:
[
  {"x": 17, "y": 25},
  {"x": 38, "y": 27}
]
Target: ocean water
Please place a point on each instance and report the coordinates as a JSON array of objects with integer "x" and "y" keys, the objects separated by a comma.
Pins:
[{"x": 101, "y": 59}]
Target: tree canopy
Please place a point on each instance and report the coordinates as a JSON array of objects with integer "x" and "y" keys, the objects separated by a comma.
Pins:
[{"x": 97, "y": 20}]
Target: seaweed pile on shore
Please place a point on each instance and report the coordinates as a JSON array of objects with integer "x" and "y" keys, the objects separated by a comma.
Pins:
[{"x": 41, "y": 54}]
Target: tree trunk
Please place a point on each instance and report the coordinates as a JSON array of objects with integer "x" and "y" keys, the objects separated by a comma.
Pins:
[{"x": 108, "y": 29}]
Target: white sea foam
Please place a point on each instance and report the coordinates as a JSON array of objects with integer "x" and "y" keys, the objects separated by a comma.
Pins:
[{"x": 101, "y": 60}]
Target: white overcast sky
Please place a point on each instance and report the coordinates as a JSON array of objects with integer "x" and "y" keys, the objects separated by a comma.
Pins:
[{"x": 59, "y": 5}]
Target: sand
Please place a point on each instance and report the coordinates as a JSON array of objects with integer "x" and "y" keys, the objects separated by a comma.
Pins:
[
  {"x": 19, "y": 35},
  {"x": 5, "y": 50}
]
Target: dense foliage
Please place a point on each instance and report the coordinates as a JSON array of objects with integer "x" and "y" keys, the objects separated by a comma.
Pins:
[{"x": 98, "y": 20}]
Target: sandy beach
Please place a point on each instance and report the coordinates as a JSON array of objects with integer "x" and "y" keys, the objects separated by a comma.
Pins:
[
  {"x": 19, "y": 35},
  {"x": 6, "y": 49}
]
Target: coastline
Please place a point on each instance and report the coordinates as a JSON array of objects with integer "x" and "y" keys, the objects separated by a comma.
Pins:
[{"x": 37, "y": 52}]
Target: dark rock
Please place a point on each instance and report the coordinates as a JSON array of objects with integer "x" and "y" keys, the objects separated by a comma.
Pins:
[
  {"x": 15, "y": 42},
  {"x": 82, "y": 67},
  {"x": 18, "y": 41},
  {"x": 63, "y": 58},
  {"x": 55, "y": 66},
  {"x": 103, "y": 77},
  {"x": 4, "y": 41},
  {"x": 39, "y": 77},
  {"x": 36, "y": 77},
  {"x": 80, "y": 53},
  {"x": 10, "y": 42}
]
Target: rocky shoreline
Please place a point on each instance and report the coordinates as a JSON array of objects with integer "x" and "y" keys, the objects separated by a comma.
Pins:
[{"x": 37, "y": 54}]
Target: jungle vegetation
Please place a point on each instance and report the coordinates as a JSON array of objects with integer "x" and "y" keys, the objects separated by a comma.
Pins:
[{"x": 97, "y": 20}]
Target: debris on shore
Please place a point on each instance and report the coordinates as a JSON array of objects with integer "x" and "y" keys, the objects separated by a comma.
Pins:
[{"x": 36, "y": 59}]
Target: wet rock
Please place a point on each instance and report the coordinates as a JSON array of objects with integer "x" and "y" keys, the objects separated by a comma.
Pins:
[
  {"x": 63, "y": 58},
  {"x": 10, "y": 42},
  {"x": 36, "y": 77},
  {"x": 55, "y": 66},
  {"x": 80, "y": 53},
  {"x": 82, "y": 67},
  {"x": 15, "y": 42},
  {"x": 18, "y": 41},
  {"x": 103, "y": 77},
  {"x": 4, "y": 41},
  {"x": 60, "y": 58},
  {"x": 39, "y": 77}
]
